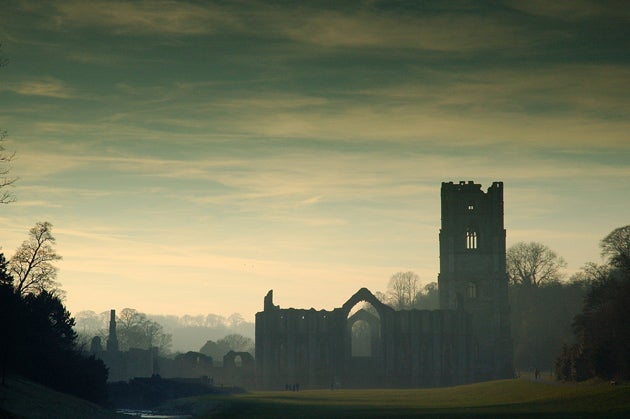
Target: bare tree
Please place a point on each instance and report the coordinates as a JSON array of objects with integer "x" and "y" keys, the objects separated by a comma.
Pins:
[
  {"x": 237, "y": 343},
  {"x": 5, "y": 158},
  {"x": 402, "y": 289},
  {"x": 32, "y": 265},
  {"x": 616, "y": 246},
  {"x": 533, "y": 264},
  {"x": 135, "y": 330},
  {"x": 5, "y": 180}
]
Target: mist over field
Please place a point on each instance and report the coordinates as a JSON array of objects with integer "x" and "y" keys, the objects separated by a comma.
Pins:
[{"x": 188, "y": 333}]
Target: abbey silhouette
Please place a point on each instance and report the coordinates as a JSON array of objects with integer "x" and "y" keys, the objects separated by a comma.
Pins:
[{"x": 466, "y": 340}]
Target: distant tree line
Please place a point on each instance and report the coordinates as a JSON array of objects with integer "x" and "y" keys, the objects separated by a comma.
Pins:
[{"x": 36, "y": 332}]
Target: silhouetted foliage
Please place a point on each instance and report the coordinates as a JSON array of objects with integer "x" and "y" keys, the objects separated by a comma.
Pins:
[
  {"x": 5, "y": 277},
  {"x": 616, "y": 246},
  {"x": 571, "y": 365},
  {"x": 541, "y": 319},
  {"x": 8, "y": 318},
  {"x": 428, "y": 298},
  {"x": 39, "y": 343},
  {"x": 32, "y": 265},
  {"x": 601, "y": 329},
  {"x": 50, "y": 323}
]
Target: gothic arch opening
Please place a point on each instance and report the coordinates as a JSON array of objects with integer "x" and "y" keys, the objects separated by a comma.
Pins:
[
  {"x": 364, "y": 330},
  {"x": 361, "y": 339}
]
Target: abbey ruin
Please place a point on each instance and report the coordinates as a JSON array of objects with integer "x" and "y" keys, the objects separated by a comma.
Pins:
[{"x": 466, "y": 340}]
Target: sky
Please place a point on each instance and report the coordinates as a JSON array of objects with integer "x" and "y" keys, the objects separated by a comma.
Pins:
[{"x": 193, "y": 155}]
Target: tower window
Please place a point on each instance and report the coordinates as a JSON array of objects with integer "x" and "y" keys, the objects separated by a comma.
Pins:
[
  {"x": 471, "y": 206},
  {"x": 471, "y": 239},
  {"x": 472, "y": 290}
]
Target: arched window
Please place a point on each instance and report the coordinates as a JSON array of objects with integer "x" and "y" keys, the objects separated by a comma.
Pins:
[
  {"x": 471, "y": 239},
  {"x": 364, "y": 334},
  {"x": 472, "y": 290}
]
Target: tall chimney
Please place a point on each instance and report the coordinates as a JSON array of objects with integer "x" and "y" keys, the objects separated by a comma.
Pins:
[{"x": 112, "y": 339}]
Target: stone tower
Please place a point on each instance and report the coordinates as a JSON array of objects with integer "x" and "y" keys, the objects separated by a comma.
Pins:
[
  {"x": 112, "y": 338},
  {"x": 473, "y": 275}
]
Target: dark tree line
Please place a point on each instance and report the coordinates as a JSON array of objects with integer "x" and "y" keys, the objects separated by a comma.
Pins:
[
  {"x": 601, "y": 331},
  {"x": 38, "y": 342},
  {"x": 541, "y": 318}
]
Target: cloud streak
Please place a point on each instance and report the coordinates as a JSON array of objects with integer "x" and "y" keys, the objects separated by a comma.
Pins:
[
  {"x": 145, "y": 17},
  {"x": 46, "y": 87}
]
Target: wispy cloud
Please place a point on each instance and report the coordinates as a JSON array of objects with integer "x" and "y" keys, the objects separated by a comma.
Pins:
[
  {"x": 572, "y": 10},
  {"x": 463, "y": 30},
  {"x": 552, "y": 106},
  {"x": 373, "y": 29},
  {"x": 48, "y": 87},
  {"x": 145, "y": 17}
]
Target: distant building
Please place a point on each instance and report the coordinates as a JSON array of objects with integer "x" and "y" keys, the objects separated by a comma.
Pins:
[
  {"x": 466, "y": 340},
  {"x": 124, "y": 365}
]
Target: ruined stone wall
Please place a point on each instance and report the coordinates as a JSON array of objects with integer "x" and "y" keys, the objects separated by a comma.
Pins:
[{"x": 313, "y": 348}]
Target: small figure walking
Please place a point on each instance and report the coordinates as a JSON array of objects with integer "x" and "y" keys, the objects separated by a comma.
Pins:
[{"x": 536, "y": 373}]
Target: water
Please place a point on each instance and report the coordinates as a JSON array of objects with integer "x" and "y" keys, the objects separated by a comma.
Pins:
[{"x": 149, "y": 414}]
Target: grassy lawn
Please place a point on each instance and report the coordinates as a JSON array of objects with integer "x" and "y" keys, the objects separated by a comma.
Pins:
[{"x": 502, "y": 398}]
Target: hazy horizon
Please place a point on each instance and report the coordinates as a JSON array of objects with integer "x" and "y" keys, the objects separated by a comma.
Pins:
[{"x": 192, "y": 156}]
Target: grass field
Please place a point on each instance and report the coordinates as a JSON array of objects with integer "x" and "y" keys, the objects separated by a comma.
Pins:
[{"x": 515, "y": 398}]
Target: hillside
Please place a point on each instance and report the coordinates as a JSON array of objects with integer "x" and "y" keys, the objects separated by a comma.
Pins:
[{"x": 21, "y": 398}]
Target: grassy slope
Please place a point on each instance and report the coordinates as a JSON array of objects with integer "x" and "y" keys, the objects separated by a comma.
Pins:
[
  {"x": 24, "y": 399},
  {"x": 490, "y": 399}
]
